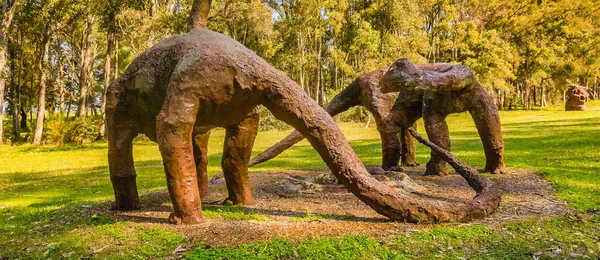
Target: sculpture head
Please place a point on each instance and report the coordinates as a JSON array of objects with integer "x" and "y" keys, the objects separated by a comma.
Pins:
[
  {"x": 402, "y": 75},
  {"x": 577, "y": 96}
]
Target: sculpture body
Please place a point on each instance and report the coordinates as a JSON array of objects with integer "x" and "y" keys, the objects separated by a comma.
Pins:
[
  {"x": 577, "y": 96},
  {"x": 433, "y": 91},
  {"x": 188, "y": 84},
  {"x": 364, "y": 91}
]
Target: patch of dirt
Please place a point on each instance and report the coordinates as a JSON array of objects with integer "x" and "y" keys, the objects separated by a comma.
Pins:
[{"x": 336, "y": 212}]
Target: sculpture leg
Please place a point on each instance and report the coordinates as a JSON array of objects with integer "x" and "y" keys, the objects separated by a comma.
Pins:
[
  {"x": 437, "y": 131},
  {"x": 409, "y": 147},
  {"x": 120, "y": 161},
  {"x": 201, "y": 161},
  {"x": 486, "y": 118},
  {"x": 174, "y": 125},
  {"x": 237, "y": 149},
  {"x": 390, "y": 148}
]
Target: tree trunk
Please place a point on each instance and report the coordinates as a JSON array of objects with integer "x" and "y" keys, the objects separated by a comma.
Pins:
[
  {"x": 8, "y": 10},
  {"x": 84, "y": 79},
  {"x": 15, "y": 99},
  {"x": 61, "y": 82},
  {"x": 153, "y": 8},
  {"x": 3, "y": 48},
  {"x": 116, "y": 55},
  {"x": 109, "y": 51},
  {"x": 39, "y": 124},
  {"x": 543, "y": 97},
  {"x": 595, "y": 88},
  {"x": 199, "y": 15},
  {"x": 170, "y": 7}
]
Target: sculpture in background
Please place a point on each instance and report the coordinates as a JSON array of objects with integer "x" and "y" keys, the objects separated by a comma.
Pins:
[
  {"x": 433, "y": 91},
  {"x": 577, "y": 96}
]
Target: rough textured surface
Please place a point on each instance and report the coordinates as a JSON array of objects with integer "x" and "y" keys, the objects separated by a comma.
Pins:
[
  {"x": 363, "y": 91},
  {"x": 577, "y": 96},
  {"x": 433, "y": 91},
  {"x": 188, "y": 84},
  {"x": 337, "y": 213}
]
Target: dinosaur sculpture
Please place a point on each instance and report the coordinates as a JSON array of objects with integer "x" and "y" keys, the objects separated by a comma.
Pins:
[
  {"x": 443, "y": 89},
  {"x": 363, "y": 91},
  {"x": 188, "y": 84}
]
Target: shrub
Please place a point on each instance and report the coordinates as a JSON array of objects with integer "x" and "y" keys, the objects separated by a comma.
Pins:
[
  {"x": 269, "y": 122},
  {"x": 62, "y": 130}
]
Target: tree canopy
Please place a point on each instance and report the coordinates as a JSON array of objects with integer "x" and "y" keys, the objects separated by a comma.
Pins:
[{"x": 59, "y": 56}]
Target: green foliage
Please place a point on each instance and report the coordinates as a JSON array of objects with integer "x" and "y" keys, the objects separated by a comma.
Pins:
[
  {"x": 231, "y": 212},
  {"x": 62, "y": 131},
  {"x": 269, "y": 122},
  {"x": 348, "y": 247}
]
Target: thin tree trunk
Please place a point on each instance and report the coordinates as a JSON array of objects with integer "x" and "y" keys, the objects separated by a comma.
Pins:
[
  {"x": 153, "y": 8},
  {"x": 543, "y": 99},
  {"x": 109, "y": 51},
  {"x": 84, "y": 79},
  {"x": 8, "y": 10},
  {"x": 170, "y": 7},
  {"x": 15, "y": 96},
  {"x": 3, "y": 48},
  {"x": 61, "y": 82},
  {"x": 199, "y": 15},
  {"x": 39, "y": 124},
  {"x": 116, "y": 55}
]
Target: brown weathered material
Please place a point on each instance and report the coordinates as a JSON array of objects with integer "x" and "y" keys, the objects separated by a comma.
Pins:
[
  {"x": 433, "y": 91},
  {"x": 577, "y": 96},
  {"x": 191, "y": 83},
  {"x": 488, "y": 197},
  {"x": 364, "y": 91}
]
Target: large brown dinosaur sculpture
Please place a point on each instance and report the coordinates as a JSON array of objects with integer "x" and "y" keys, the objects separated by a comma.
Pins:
[
  {"x": 443, "y": 89},
  {"x": 363, "y": 91},
  {"x": 187, "y": 84}
]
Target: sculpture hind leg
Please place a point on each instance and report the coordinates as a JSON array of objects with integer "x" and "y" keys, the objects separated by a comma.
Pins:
[
  {"x": 237, "y": 150},
  {"x": 486, "y": 118},
  {"x": 201, "y": 161},
  {"x": 175, "y": 124}
]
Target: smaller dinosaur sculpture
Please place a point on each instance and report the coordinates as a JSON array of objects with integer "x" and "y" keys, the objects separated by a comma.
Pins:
[{"x": 443, "y": 89}]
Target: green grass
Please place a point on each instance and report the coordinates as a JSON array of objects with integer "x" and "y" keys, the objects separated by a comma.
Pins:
[
  {"x": 231, "y": 212},
  {"x": 556, "y": 238},
  {"x": 45, "y": 192}
]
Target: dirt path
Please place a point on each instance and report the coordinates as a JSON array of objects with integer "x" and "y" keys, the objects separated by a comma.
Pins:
[{"x": 335, "y": 212}]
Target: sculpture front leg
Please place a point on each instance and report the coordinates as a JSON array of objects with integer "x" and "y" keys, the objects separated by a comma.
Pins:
[
  {"x": 391, "y": 148},
  {"x": 486, "y": 118},
  {"x": 409, "y": 147},
  {"x": 437, "y": 131},
  {"x": 237, "y": 149},
  {"x": 120, "y": 162},
  {"x": 174, "y": 125}
]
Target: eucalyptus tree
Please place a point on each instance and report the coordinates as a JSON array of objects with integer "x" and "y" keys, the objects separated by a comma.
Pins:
[
  {"x": 109, "y": 14},
  {"x": 8, "y": 10}
]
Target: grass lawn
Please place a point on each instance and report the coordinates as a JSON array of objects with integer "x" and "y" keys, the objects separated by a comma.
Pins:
[{"x": 45, "y": 191}]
